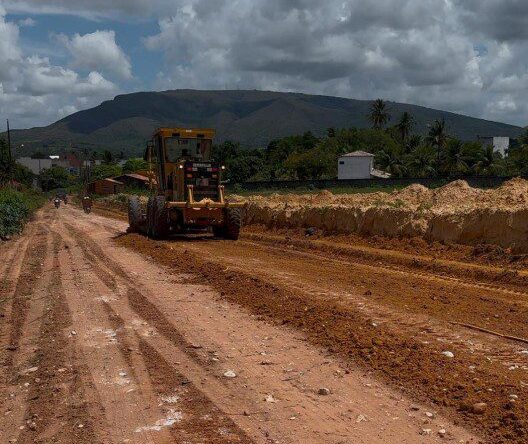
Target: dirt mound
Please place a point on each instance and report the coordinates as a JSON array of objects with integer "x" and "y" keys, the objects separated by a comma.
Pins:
[
  {"x": 455, "y": 194},
  {"x": 324, "y": 196},
  {"x": 455, "y": 212},
  {"x": 414, "y": 193}
]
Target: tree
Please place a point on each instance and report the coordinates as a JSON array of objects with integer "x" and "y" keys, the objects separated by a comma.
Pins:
[
  {"x": 108, "y": 157},
  {"x": 523, "y": 138},
  {"x": 243, "y": 168},
  {"x": 379, "y": 115},
  {"x": 454, "y": 161},
  {"x": 437, "y": 137},
  {"x": 490, "y": 163},
  {"x": 313, "y": 164},
  {"x": 405, "y": 126},
  {"x": 392, "y": 162},
  {"x": 53, "y": 178},
  {"x": 6, "y": 163},
  {"x": 309, "y": 141},
  {"x": 420, "y": 162},
  {"x": 135, "y": 164},
  {"x": 104, "y": 171},
  {"x": 224, "y": 152}
]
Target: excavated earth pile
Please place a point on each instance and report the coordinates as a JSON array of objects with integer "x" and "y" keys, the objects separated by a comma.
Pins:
[{"x": 454, "y": 213}]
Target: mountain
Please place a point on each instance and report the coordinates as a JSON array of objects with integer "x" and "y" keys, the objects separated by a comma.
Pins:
[{"x": 252, "y": 118}]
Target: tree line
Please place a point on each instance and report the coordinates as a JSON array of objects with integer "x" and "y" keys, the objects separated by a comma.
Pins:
[{"x": 397, "y": 148}]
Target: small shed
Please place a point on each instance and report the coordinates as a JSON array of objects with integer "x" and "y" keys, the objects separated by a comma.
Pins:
[
  {"x": 133, "y": 180},
  {"x": 106, "y": 187},
  {"x": 355, "y": 165}
]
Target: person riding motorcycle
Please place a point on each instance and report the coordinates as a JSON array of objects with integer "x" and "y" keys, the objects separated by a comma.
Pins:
[
  {"x": 87, "y": 204},
  {"x": 56, "y": 202}
]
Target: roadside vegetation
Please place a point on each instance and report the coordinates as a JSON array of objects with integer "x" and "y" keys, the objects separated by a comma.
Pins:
[
  {"x": 18, "y": 200},
  {"x": 397, "y": 148},
  {"x": 16, "y": 207}
]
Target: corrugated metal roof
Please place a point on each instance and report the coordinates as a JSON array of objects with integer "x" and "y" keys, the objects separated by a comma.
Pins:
[
  {"x": 109, "y": 180},
  {"x": 358, "y": 154},
  {"x": 134, "y": 176}
]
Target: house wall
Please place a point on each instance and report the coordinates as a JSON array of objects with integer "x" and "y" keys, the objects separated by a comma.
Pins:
[
  {"x": 105, "y": 187},
  {"x": 501, "y": 144},
  {"x": 354, "y": 167},
  {"x": 35, "y": 165}
]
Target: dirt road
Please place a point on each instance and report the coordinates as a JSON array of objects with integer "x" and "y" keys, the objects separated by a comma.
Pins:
[{"x": 113, "y": 338}]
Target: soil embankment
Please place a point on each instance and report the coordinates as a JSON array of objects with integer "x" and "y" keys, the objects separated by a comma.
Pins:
[{"x": 454, "y": 213}]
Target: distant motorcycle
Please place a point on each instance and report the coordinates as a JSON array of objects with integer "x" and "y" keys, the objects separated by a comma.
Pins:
[
  {"x": 56, "y": 202},
  {"x": 87, "y": 204}
]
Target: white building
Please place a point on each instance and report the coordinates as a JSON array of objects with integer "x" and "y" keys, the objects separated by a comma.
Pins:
[
  {"x": 501, "y": 144},
  {"x": 355, "y": 165},
  {"x": 36, "y": 165}
]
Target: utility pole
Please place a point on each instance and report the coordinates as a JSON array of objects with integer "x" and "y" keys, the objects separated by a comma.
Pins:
[{"x": 9, "y": 155}]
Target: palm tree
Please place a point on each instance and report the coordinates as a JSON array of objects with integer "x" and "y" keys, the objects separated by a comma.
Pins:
[
  {"x": 405, "y": 126},
  {"x": 413, "y": 143},
  {"x": 437, "y": 137},
  {"x": 489, "y": 163},
  {"x": 391, "y": 162},
  {"x": 379, "y": 115},
  {"x": 421, "y": 162},
  {"x": 456, "y": 161}
]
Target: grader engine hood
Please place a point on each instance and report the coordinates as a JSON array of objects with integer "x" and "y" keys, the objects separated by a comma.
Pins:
[{"x": 204, "y": 177}]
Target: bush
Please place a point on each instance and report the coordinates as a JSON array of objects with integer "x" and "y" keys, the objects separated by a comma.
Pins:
[
  {"x": 54, "y": 177},
  {"x": 105, "y": 171},
  {"x": 135, "y": 164},
  {"x": 15, "y": 209}
]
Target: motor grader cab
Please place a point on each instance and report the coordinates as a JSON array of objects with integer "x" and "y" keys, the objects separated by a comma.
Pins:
[{"x": 188, "y": 193}]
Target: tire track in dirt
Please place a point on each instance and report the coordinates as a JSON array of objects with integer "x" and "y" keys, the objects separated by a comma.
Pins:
[
  {"x": 17, "y": 371},
  {"x": 435, "y": 270},
  {"x": 153, "y": 313},
  {"x": 406, "y": 298},
  {"x": 27, "y": 272},
  {"x": 396, "y": 356},
  {"x": 125, "y": 394},
  {"x": 205, "y": 421},
  {"x": 57, "y": 410}
]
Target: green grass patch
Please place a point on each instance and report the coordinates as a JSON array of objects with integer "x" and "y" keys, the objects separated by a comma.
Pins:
[{"x": 16, "y": 207}]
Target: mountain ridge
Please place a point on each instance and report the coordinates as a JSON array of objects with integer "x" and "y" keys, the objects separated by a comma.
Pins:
[{"x": 251, "y": 117}]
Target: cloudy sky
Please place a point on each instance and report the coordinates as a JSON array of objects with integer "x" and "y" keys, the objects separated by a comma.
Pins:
[{"x": 468, "y": 56}]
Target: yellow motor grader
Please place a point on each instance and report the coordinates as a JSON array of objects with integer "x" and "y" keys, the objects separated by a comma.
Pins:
[{"x": 187, "y": 190}]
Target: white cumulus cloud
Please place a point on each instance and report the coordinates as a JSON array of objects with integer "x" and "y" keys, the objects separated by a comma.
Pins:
[
  {"x": 35, "y": 91},
  {"x": 98, "y": 51}
]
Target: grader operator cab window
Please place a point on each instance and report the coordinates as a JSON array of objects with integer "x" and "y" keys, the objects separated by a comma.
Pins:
[{"x": 182, "y": 148}]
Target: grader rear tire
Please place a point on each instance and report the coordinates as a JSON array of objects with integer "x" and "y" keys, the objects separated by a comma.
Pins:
[
  {"x": 233, "y": 222},
  {"x": 159, "y": 228},
  {"x": 134, "y": 214}
]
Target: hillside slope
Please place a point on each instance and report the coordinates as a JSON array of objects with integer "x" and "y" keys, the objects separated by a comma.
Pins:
[{"x": 250, "y": 117}]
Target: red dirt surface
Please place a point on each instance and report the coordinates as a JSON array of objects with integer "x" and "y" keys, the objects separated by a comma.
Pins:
[{"x": 100, "y": 344}]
